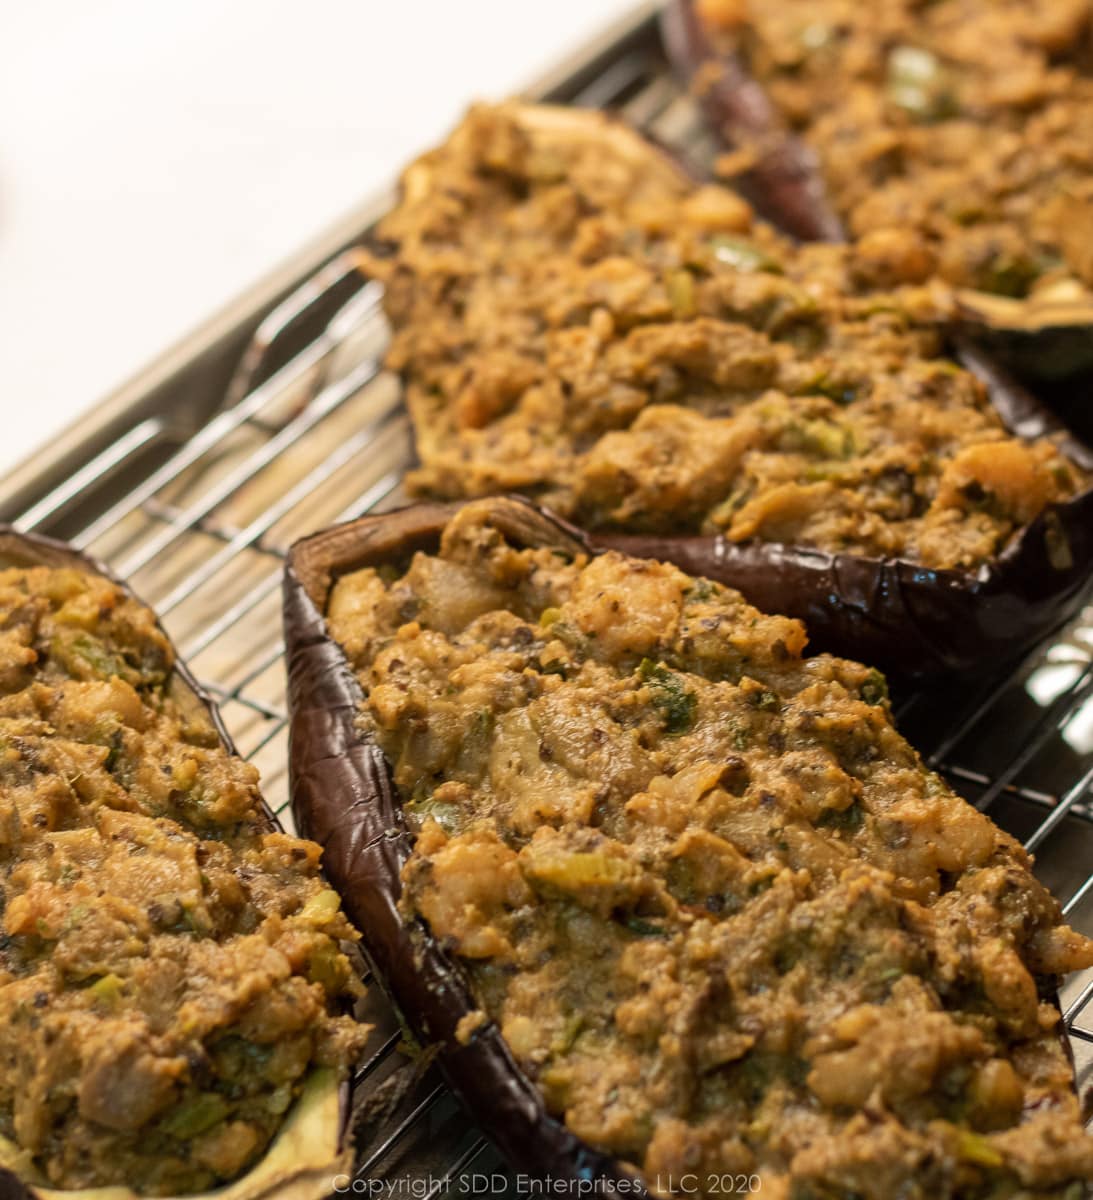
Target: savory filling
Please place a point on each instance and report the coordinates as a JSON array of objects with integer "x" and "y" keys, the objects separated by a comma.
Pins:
[
  {"x": 576, "y": 321},
  {"x": 959, "y": 130},
  {"x": 721, "y": 912},
  {"x": 169, "y": 966}
]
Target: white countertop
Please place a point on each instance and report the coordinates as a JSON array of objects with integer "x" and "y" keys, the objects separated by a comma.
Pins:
[{"x": 156, "y": 158}]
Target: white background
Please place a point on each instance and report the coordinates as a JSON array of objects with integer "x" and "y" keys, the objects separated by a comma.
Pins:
[{"x": 158, "y": 156}]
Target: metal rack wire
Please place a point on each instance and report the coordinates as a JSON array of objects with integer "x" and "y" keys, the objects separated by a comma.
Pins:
[{"x": 306, "y": 438}]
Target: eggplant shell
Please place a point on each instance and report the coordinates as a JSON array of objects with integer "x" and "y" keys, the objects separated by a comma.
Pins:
[
  {"x": 312, "y": 1146},
  {"x": 343, "y": 797},
  {"x": 1039, "y": 339},
  {"x": 1042, "y": 341}
]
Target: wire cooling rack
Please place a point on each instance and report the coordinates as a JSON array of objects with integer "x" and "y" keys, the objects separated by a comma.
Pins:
[{"x": 197, "y": 509}]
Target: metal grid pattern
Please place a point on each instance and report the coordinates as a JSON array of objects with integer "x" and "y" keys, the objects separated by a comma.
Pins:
[{"x": 323, "y": 438}]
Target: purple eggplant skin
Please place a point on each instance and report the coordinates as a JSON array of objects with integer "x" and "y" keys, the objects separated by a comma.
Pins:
[
  {"x": 343, "y": 798},
  {"x": 19, "y": 549},
  {"x": 12, "y": 1187},
  {"x": 785, "y": 184}
]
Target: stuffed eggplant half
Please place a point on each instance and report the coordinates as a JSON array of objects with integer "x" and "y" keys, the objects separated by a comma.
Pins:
[
  {"x": 670, "y": 898},
  {"x": 957, "y": 133},
  {"x": 172, "y": 984},
  {"x": 576, "y": 320}
]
